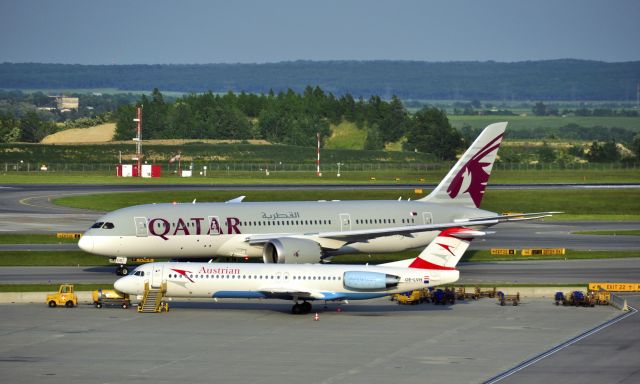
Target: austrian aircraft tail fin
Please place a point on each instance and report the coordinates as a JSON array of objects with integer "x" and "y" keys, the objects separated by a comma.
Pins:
[
  {"x": 444, "y": 252},
  {"x": 466, "y": 181}
]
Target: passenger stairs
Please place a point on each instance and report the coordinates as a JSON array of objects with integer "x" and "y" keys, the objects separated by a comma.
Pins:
[{"x": 152, "y": 300}]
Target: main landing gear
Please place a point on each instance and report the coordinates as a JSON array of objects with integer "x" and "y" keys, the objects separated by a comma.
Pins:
[
  {"x": 122, "y": 270},
  {"x": 301, "y": 308}
]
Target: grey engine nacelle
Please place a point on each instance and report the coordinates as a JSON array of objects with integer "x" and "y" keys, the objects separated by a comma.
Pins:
[
  {"x": 365, "y": 281},
  {"x": 289, "y": 250}
]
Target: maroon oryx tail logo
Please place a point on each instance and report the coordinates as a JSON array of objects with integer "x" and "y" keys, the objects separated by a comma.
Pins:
[{"x": 472, "y": 175}]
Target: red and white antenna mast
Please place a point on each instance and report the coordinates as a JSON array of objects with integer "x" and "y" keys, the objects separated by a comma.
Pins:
[
  {"x": 138, "y": 140},
  {"x": 318, "y": 160}
]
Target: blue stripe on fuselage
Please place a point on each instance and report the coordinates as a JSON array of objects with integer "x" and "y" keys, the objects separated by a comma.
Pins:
[{"x": 327, "y": 295}]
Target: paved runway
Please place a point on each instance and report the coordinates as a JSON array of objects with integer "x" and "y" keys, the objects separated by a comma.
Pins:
[{"x": 260, "y": 342}]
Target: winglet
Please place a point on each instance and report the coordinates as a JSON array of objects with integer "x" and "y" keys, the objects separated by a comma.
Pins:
[{"x": 236, "y": 200}]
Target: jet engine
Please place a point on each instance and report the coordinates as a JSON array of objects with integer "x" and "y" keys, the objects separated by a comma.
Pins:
[
  {"x": 369, "y": 281},
  {"x": 290, "y": 250}
]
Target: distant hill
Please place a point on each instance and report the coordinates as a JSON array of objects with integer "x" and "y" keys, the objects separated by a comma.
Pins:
[{"x": 531, "y": 80}]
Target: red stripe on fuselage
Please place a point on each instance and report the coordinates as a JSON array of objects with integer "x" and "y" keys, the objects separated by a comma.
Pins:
[{"x": 423, "y": 264}]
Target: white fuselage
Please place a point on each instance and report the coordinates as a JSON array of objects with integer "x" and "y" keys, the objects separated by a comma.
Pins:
[
  {"x": 283, "y": 281},
  {"x": 205, "y": 230}
]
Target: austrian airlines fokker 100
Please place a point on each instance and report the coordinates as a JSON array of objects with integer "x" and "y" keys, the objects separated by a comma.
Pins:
[
  {"x": 304, "y": 282},
  {"x": 307, "y": 231}
]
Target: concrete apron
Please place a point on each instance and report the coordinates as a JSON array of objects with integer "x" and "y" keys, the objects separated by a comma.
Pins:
[{"x": 84, "y": 297}]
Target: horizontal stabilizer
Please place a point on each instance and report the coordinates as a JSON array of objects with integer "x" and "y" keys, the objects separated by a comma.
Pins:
[{"x": 236, "y": 200}]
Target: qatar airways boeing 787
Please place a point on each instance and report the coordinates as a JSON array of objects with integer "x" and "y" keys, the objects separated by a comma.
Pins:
[{"x": 307, "y": 231}]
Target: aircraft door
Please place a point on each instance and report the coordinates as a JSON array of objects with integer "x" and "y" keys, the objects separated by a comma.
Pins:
[
  {"x": 215, "y": 227},
  {"x": 345, "y": 222},
  {"x": 156, "y": 276},
  {"x": 141, "y": 226},
  {"x": 427, "y": 217}
]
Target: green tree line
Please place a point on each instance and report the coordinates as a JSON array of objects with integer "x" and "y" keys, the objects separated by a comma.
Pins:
[{"x": 289, "y": 118}]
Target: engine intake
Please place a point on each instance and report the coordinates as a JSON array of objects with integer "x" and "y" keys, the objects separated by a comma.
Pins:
[
  {"x": 369, "y": 281},
  {"x": 290, "y": 250}
]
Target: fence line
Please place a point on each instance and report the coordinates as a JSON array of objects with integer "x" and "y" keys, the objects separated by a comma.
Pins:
[{"x": 218, "y": 167}]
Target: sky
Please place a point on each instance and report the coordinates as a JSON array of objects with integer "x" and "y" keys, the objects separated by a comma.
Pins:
[{"x": 259, "y": 31}]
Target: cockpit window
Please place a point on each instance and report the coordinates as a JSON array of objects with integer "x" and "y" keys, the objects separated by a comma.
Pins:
[
  {"x": 138, "y": 273},
  {"x": 108, "y": 225},
  {"x": 98, "y": 224}
]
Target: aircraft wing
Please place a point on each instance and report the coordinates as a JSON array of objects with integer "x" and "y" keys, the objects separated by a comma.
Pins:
[{"x": 366, "y": 234}]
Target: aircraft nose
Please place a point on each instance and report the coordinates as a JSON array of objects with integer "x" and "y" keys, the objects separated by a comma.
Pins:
[
  {"x": 86, "y": 243},
  {"x": 121, "y": 285}
]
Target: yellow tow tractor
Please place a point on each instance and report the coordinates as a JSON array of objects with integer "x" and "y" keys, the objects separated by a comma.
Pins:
[{"x": 65, "y": 296}]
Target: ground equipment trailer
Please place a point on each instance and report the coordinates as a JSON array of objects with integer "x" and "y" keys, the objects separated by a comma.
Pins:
[
  {"x": 487, "y": 292},
  {"x": 576, "y": 299},
  {"x": 65, "y": 296},
  {"x": 104, "y": 297},
  {"x": 503, "y": 298}
]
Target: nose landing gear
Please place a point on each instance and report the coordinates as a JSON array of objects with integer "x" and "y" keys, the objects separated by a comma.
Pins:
[{"x": 122, "y": 270}]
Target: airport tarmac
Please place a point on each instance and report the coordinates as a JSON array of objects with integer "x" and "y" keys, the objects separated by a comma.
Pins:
[{"x": 372, "y": 341}]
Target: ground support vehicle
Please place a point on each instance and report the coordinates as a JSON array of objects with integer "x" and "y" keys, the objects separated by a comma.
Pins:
[
  {"x": 559, "y": 298},
  {"x": 104, "y": 297},
  {"x": 503, "y": 298},
  {"x": 579, "y": 299},
  {"x": 65, "y": 296},
  {"x": 600, "y": 297},
  {"x": 444, "y": 296},
  {"x": 414, "y": 297}
]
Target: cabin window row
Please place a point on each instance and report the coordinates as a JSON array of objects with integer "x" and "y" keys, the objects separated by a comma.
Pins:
[
  {"x": 256, "y": 277},
  {"x": 285, "y": 222},
  {"x": 384, "y": 221}
]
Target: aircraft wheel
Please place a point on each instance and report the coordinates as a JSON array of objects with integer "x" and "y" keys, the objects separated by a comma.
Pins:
[
  {"x": 52, "y": 304},
  {"x": 124, "y": 270},
  {"x": 119, "y": 271},
  {"x": 296, "y": 309},
  {"x": 306, "y": 307}
]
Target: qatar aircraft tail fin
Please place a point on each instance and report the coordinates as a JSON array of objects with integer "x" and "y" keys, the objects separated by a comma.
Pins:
[
  {"x": 466, "y": 181},
  {"x": 444, "y": 252}
]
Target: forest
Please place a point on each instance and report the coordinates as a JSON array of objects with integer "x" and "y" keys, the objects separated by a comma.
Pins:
[{"x": 566, "y": 79}]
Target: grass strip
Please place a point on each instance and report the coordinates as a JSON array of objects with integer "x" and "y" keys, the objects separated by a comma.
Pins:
[
  {"x": 50, "y": 258},
  {"x": 33, "y": 239},
  {"x": 630, "y": 232},
  {"x": 514, "y": 174}
]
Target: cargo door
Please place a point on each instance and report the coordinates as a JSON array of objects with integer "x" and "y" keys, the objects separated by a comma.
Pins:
[
  {"x": 141, "y": 226},
  {"x": 427, "y": 217}
]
